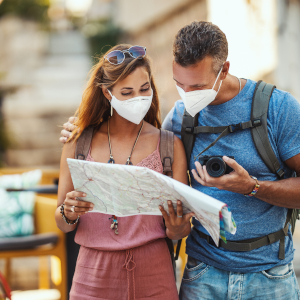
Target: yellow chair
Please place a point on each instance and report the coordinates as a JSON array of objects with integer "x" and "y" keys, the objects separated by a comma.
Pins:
[{"x": 44, "y": 224}]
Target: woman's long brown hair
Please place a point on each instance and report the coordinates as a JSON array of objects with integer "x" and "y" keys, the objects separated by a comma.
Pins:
[{"x": 95, "y": 108}]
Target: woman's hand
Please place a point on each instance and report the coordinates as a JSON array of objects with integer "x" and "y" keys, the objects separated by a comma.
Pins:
[
  {"x": 68, "y": 128},
  {"x": 178, "y": 225},
  {"x": 74, "y": 208}
]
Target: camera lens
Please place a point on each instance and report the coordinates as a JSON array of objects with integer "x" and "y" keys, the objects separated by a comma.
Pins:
[{"x": 216, "y": 167}]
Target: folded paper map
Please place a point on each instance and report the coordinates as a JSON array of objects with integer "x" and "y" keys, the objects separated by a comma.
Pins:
[{"x": 129, "y": 190}]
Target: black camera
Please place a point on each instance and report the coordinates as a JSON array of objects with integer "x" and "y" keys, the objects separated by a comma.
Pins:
[{"x": 215, "y": 165}]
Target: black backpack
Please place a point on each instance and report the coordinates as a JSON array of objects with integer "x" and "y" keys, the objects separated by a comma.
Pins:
[{"x": 259, "y": 131}]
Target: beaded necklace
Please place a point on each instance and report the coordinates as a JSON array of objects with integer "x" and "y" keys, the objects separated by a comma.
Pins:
[{"x": 114, "y": 224}]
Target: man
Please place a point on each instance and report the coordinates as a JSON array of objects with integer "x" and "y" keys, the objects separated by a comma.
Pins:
[
  {"x": 200, "y": 70},
  {"x": 200, "y": 54}
]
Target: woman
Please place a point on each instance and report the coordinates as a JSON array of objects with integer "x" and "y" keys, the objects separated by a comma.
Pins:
[{"x": 121, "y": 101}]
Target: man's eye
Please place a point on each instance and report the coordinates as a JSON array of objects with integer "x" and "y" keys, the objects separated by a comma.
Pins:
[{"x": 145, "y": 90}]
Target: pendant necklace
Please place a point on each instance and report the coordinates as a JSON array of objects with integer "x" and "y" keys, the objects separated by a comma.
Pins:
[{"x": 114, "y": 224}]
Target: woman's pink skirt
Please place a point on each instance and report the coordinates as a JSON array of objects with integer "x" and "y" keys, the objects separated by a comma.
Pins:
[{"x": 144, "y": 272}]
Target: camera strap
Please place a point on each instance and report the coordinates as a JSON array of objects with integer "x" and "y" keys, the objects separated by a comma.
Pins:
[{"x": 225, "y": 130}]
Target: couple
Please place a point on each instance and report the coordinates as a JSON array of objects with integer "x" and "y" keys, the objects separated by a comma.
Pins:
[{"x": 121, "y": 102}]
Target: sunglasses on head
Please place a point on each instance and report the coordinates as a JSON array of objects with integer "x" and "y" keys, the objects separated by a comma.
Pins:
[{"x": 116, "y": 57}]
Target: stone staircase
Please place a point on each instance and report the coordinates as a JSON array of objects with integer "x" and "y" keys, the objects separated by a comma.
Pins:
[{"x": 46, "y": 94}]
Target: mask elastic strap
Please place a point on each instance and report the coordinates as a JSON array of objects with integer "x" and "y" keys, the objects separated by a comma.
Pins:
[
  {"x": 109, "y": 92},
  {"x": 218, "y": 77},
  {"x": 219, "y": 86}
]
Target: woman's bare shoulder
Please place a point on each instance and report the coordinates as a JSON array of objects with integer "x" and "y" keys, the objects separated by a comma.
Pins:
[{"x": 69, "y": 149}]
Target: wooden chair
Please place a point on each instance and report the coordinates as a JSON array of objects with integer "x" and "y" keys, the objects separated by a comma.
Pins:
[{"x": 47, "y": 240}]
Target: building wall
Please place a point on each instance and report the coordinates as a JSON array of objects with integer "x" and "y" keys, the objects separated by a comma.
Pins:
[
  {"x": 251, "y": 30},
  {"x": 158, "y": 38},
  {"x": 132, "y": 15},
  {"x": 287, "y": 73}
]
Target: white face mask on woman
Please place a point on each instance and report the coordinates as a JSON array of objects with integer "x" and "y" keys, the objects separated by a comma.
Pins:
[
  {"x": 133, "y": 109},
  {"x": 195, "y": 101}
]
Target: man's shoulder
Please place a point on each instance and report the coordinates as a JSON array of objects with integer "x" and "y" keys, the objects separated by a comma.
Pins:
[
  {"x": 278, "y": 98},
  {"x": 179, "y": 106},
  {"x": 173, "y": 119}
]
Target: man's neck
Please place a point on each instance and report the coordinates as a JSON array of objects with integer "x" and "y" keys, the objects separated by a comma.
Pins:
[{"x": 229, "y": 89}]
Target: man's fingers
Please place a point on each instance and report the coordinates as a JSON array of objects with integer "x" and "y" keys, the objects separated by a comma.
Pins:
[
  {"x": 233, "y": 164},
  {"x": 69, "y": 127},
  {"x": 199, "y": 169},
  {"x": 200, "y": 180},
  {"x": 65, "y": 133},
  {"x": 63, "y": 139},
  {"x": 72, "y": 120}
]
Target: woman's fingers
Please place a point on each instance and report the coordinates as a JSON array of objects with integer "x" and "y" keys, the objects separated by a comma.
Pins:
[
  {"x": 75, "y": 194},
  {"x": 164, "y": 213},
  {"x": 74, "y": 207},
  {"x": 188, "y": 216},
  {"x": 171, "y": 209},
  {"x": 179, "y": 209}
]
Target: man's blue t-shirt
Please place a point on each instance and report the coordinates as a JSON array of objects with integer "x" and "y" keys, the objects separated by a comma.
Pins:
[{"x": 254, "y": 217}]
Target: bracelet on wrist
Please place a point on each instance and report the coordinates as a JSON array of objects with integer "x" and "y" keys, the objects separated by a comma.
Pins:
[
  {"x": 255, "y": 189},
  {"x": 69, "y": 222}
]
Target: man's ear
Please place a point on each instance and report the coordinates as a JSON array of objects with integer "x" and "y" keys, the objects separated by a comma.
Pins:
[
  {"x": 225, "y": 70},
  {"x": 106, "y": 93}
]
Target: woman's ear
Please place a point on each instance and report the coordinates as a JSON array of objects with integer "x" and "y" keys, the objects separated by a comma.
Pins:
[{"x": 106, "y": 93}]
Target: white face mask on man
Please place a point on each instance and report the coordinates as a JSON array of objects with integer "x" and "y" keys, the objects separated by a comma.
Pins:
[
  {"x": 133, "y": 109},
  {"x": 195, "y": 101}
]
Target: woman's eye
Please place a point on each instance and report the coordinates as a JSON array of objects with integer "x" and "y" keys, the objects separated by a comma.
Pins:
[
  {"x": 126, "y": 94},
  {"x": 145, "y": 90}
]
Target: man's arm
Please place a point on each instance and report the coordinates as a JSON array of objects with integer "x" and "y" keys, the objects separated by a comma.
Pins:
[{"x": 284, "y": 193}]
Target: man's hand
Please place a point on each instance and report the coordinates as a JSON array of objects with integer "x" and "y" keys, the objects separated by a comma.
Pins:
[
  {"x": 68, "y": 128},
  {"x": 178, "y": 225},
  {"x": 238, "y": 181}
]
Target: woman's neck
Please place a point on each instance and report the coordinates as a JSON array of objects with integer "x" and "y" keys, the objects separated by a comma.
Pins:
[{"x": 122, "y": 127}]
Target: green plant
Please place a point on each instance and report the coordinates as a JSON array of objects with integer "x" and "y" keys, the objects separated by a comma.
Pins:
[
  {"x": 101, "y": 36},
  {"x": 35, "y": 10}
]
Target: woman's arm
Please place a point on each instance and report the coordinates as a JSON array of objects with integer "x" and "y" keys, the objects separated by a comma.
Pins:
[
  {"x": 66, "y": 193},
  {"x": 178, "y": 225}
]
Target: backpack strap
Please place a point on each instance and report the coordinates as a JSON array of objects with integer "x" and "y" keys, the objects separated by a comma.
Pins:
[
  {"x": 259, "y": 111},
  {"x": 187, "y": 133},
  {"x": 166, "y": 149},
  {"x": 167, "y": 158},
  {"x": 84, "y": 143},
  {"x": 189, "y": 129}
]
